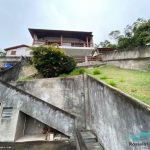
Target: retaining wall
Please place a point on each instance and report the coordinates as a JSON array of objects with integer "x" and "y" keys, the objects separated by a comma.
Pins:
[
  {"x": 137, "y": 58},
  {"x": 115, "y": 115},
  {"x": 65, "y": 93}
]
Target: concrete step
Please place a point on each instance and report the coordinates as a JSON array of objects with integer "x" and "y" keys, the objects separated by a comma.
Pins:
[
  {"x": 91, "y": 140},
  {"x": 88, "y": 136},
  {"x": 94, "y": 146}
]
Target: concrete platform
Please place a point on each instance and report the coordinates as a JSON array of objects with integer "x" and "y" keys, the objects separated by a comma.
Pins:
[
  {"x": 31, "y": 137},
  {"x": 39, "y": 145}
]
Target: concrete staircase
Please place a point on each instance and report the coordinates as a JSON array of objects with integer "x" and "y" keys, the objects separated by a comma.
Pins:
[
  {"x": 37, "y": 108},
  {"x": 91, "y": 140}
]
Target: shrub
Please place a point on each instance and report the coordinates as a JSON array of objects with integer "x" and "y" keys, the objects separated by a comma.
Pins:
[
  {"x": 122, "y": 80},
  {"x": 133, "y": 90},
  {"x": 69, "y": 63},
  {"x": 112, "y": 83},
  {"x": 103, "y": 77},
  {"x": 51, "y": 61},
  {"x": 77, "y": 71},
  {"x": 96, "y": 72}
]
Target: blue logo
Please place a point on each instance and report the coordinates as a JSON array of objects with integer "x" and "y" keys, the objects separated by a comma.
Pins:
[{"x": 138, "y": 137}]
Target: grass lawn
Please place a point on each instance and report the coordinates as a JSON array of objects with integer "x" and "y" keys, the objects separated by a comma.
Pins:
[{"x": 132, "y": 82}]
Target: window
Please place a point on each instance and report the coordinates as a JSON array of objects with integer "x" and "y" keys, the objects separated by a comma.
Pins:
[
  {"x": 7, "y": 112},
  {"x": 13, "y": 52}
]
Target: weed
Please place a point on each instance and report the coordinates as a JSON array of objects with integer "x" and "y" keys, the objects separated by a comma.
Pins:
[
  {"x": 112, "y": 83},
  {"x": 96, "y": 72},
  {"x": 133, "y": 90},
  {"x": 122, "y": 80},
  {"x": 103, "y": 77},
  {"x": 25, "y": 79}
]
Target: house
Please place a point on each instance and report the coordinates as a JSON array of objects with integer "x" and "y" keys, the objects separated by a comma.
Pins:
[
  {"x": 77, "y": 43},
  {"x": 19, "y": 50}
]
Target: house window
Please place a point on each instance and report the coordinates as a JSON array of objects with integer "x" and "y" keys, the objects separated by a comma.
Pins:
[
  {"x": 13, "y": 52},
  {"x": 7, "y": 112}
]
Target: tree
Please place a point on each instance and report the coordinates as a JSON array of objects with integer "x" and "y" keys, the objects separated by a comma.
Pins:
[
  {"x": 104, "y": 44},
  {"x": 2, "y": 53},
  {"x": 137, "y": 34},
  {"x": 51, "y": 61}
]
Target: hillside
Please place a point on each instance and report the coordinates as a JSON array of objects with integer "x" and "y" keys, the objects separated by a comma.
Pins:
[{"x": 132, "y": 82}]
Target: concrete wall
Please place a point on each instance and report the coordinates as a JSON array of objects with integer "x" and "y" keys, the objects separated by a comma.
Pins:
[
  {"x": 8, "y": 125},
  {"x": 20, "y": 128},
  {"x": 19, "y": 70},
  {"x": 11, "y": 74},
  {"x": 33, "y": 126},
  {"x": 65, "y": 93},
  {"x": 137, "y": 58},
  {"x": 36, "y": 108},
  {"x": 114, "y": 115},
  {"x": 4, "y": 59}
]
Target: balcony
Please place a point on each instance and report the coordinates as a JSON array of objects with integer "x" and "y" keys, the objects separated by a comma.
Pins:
[{"x": 65, "y": 44}]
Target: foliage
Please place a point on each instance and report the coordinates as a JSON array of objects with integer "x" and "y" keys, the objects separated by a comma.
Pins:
[
  {"x": 112, "y": 83},
  {"x": 76, "y": 71},
  {"x": 2, "y": 53},
  {"x": 25, "y": 79},
  {"x": 103, "y": 77},
  {"x": 133, "y": 79},
  {"x": 96, "y": 72},
  {"x": 122, "y": 80},
  {"x": 137, "y": 34},
  {"x": 51, "y": 61}
]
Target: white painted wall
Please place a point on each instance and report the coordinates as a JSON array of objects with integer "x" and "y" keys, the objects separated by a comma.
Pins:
[{"x": 22, "y": 51}]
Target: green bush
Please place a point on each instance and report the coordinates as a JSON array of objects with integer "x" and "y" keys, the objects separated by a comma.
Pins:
[
  {"x": 112, "y": 83},
  {"x": 77, "y": 71},
  {"x": 69, "y": 63},
  {"x": 103, "y": 77},
  {"x": 51, "y": 61},
  {"x": 96, "y": 72},
  {"x": 122, "y": 80}
]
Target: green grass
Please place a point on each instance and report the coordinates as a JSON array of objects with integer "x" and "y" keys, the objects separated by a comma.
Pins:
[
  {"x": 25, "y": 79},
  {"x": 112, "y": 83},
  {"x": 96, "y": 72},
  {"x": 103, "y": 77},
  {"x": 76, "y": 71},
  {"x": 133, "y": 82}
]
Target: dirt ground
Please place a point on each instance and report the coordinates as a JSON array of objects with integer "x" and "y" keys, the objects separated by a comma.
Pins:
[{"x": 39, "y": 145}]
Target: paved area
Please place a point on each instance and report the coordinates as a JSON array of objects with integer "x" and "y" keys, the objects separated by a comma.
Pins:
[
  {"x": 39, "y": 145},
  {"x": 31, "y": 137}
]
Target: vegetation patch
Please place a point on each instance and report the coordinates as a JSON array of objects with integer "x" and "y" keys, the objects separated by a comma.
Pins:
[
  {"x": 51, "y": 61},
  {"x": 103, "y": 77},
  {"x": 76, "y": 71},
  {"x": 133, "y": 82},
  {"x": 96, "y": 72},
  {"x": 112, "y": 83}
]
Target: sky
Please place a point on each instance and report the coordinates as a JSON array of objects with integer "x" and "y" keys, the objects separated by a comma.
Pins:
[{"x": 97, "y": 16}]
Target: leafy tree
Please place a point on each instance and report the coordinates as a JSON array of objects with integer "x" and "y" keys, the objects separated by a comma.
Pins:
[
  {"x": 137, "y": 34},
  {"x": 2, "y": 53},
  {"x": 51, "y": 61},
  {"x": 104, "y": 44}
]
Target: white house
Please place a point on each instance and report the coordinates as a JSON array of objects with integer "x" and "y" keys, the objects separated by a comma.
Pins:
[
  {"x": 19, "y": 50},
  {"x": 77, "y": 43}
]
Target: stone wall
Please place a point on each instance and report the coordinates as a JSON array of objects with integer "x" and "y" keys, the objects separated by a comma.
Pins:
[
  {"x": 65, "y": 93},
  {"x": 115, "y": 115},
  {"x": 11, "y": 74},
  {"x": 137, "y": 58}
]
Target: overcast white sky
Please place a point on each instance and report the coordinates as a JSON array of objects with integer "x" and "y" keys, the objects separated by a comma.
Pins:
[{"x": 99, "y": 16}]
